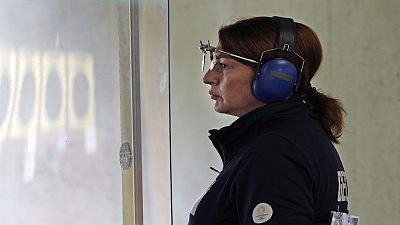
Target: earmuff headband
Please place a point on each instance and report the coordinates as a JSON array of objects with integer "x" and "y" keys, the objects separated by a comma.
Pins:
[{"x": 286, "y": 40}]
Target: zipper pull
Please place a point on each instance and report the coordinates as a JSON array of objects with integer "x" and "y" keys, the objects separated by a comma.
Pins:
[{"x": 215, "y": 170}]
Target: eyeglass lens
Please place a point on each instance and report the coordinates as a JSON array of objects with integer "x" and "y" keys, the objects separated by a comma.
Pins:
[{"x": 213, "y": 60}]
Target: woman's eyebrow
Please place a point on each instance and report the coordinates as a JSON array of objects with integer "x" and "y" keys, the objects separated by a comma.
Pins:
[
  {"x": 220, "y": 55},
  {"x": 233, "y": 56}
]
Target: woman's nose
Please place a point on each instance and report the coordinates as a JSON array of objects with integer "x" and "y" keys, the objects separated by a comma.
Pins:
[{"x": 210, "y": 78}]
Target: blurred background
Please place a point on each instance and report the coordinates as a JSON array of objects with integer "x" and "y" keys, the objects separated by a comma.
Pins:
[{"x": 59, "y": 112}]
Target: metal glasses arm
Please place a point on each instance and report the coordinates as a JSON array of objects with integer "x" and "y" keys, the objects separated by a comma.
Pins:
[{"x": 208, "y": 48}]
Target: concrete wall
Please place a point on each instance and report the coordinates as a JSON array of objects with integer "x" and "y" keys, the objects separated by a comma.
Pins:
[{"x": 360, "y": 67}]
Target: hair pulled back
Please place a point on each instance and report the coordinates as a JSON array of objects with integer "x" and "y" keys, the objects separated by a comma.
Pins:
[{"x": 250, "y": 37}]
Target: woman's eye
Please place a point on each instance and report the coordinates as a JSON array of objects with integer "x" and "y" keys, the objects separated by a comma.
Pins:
[{"x": 222, "y": 65}]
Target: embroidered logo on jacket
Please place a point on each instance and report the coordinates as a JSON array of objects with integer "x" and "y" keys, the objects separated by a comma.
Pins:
[{"x": 262, "y": 213}]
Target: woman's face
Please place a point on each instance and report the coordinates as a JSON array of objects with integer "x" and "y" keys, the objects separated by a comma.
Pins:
[{"x": 230, "y": 86}]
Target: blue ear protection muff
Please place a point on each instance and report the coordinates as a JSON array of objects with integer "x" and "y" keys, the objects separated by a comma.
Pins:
[{"x": 276, "y": 78}]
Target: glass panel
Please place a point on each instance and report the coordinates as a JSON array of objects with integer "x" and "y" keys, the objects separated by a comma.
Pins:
[
  {"x": 147, "y": 183},
  {"x": 154, "y": 82},
  {"x": 60, "y": 112}
]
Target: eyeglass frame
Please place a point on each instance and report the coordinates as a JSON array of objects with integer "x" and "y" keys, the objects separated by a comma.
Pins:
[{"x": 208, "y": 48}]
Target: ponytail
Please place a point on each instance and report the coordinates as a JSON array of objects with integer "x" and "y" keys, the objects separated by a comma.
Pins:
[{"x": 328, "y": 110}]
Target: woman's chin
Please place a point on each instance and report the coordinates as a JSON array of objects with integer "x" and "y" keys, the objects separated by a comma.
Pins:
[{"x": 218, "y": 107}]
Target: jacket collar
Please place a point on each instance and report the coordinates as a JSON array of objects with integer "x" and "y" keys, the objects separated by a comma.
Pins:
[{"x": 228, "y": 139}]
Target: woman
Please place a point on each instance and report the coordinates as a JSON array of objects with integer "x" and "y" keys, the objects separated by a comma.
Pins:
[{"x": 279, "y": 163}]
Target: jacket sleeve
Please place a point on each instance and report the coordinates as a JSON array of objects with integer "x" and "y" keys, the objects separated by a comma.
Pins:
[{"x": 274, "y": 184}]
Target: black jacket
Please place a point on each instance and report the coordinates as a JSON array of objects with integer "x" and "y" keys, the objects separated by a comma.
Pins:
[{"x": 279, "y": 167}]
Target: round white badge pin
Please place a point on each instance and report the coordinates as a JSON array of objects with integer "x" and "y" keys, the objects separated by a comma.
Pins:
[{"x": 262, "y": 213}]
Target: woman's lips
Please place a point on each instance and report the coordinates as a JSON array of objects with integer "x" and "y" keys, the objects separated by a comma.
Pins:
[{"x": 213, "y": 96}]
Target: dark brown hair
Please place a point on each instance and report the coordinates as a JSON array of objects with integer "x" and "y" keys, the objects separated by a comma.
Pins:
[{"x": 250, "y": 37}]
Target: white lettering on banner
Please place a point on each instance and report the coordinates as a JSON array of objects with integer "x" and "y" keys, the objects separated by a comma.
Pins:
[{"x": 343, "y": 191}]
